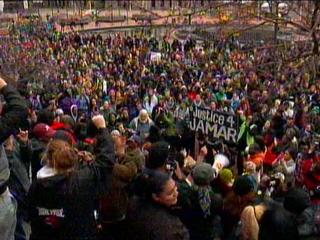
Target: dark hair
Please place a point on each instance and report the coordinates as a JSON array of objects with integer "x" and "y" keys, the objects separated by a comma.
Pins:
[
  {"x": 150, "y": 182},
  {"x": 154, "y": 134},
  {"x": 80, "y": 130},
  {"x": 296, "y": 200},
  {"x": 180, "y": 159},
  {"x": 158, "y": 155},
  {"x": 67, "y": 119},
  {"x": 45, "y": 116},
  {"x": 64, "y": 136},
  {"x": 278, "y": 224}
]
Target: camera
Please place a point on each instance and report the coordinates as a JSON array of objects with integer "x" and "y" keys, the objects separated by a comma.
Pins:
[{"x": 171, "y": 163}]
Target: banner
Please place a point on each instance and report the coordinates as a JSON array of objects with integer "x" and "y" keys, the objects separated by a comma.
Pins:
[
  {"x": 25, "y": 4},
  {"x": 1, "y": 6},
  {"x": 155, "y": 56},
  {"x": 214, "y": 124}
]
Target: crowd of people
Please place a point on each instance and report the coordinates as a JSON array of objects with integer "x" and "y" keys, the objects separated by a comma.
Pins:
[{"x": 97, "y": 145}]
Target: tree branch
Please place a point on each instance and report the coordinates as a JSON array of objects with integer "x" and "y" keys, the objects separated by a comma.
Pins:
[{"x": 246, "y": 29}]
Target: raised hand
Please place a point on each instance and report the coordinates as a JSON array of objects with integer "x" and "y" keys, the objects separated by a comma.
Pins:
[
  {"x": 2, "y": 83},
  {"x": 23, "y": 136},
  {"x": 99, "y": 121}
]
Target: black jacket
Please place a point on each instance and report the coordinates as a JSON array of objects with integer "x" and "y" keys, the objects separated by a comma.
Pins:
[
  {"x": 191, "y": 214},
  {"x": 19, "y": 164},
  {"x": 149, "y": 221},
  {"x": 62, "y": 207},
  {"x": 14, "y": 116},
  {"x": 15, "y": 113}
]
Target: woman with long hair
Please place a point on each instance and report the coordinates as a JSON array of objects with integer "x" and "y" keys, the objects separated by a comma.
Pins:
[
  {"x": 63, "y": 198},
  {"x": 150, "y": 214}
]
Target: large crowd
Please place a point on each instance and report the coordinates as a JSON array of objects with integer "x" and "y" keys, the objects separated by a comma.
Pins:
[{"x": 97, "y": 145}]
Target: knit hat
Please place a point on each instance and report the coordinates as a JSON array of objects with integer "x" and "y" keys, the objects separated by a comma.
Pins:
[
  {"x": 243, "y": 185},
  {"x": 226, "y": 176},
  {"x": 296, "y": 200},
  {"x": 203, "y": 174}
]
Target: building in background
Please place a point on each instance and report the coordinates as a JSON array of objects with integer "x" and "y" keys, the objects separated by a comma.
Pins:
[{"x": 12, "y": 5}]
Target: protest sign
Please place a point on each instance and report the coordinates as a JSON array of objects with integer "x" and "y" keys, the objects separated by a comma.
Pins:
[
  {"x": 214, "y": 124},
  {"x": 155, "y": 56}
]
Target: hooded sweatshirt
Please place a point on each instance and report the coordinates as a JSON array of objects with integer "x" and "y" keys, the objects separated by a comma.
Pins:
[{"x": 61, "y": 206}]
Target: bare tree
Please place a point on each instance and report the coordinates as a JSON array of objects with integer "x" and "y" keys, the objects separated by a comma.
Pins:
[{"x": 302, "y": 18}]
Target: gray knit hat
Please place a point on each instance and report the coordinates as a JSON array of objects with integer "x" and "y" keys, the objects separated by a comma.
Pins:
[{"x": 203, "y": 174}]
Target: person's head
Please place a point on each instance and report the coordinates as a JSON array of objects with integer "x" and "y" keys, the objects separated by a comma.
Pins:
[
  {"x": 115, "y": 134},
  {"x": 61, "y": 156},
  {"x": 203, "y": 174},
  {"x": 106, "y": 105},
  {"x": 150, "y": 91},
  {"x": 143, "y": 116},
  {"x": 213, "y": 105},
  {"x": 158, "y": 155},
  {"x": 159, "y": 188},
  {"x": 125, "y": 113},
  {"x": 198, "y": 98},
  {"x": 243, "y": 186},
  {"x": 112, "y": 118},
  {"x": 45, "y": 116},
  {"x": 68, "y": 121},
  {"x": 65, "y": 136},
  {"x": 226, "y": 176},
  {"x": 93, "y": 102},
  {"x": 43, "y": 132},
  {"x": 296, "y": 200},
  {"x": 278, "y": 224}
]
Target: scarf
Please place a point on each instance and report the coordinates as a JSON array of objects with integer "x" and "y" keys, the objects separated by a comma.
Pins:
[{"x": 204, "y": 200}]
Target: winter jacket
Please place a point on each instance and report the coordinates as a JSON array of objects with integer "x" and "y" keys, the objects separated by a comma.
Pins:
[
  {"x": 15, "y": 116},
  {"x": 191, "y": 214},
  {"x": 61, "y": 207},
  {"x": 141, "y": 129},
  {"x": 114, "y": 203},
  {"x": 16, "y": 113},
  {"x": 149, "y": 221},
  {"x": 258, "y": 158},
  {"x": 19, "y": 164},
  {"x": 37, "y": 150}
]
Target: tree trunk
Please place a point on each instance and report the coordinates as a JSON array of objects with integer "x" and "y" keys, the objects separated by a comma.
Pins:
[
  {"x": 314, "y": 22},
  {"x": 315, "y": 50}
]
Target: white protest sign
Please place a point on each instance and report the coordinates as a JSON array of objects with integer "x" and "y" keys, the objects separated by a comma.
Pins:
[{"x": 155, "y": 56}]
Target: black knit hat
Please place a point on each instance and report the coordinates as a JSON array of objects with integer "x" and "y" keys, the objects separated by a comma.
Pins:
[
  {"x": 296, "y": 200},
  {"x": 243, "y": 185}
]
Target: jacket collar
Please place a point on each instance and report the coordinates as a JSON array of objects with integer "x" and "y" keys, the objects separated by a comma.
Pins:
[{"x": 46, "y": 172}]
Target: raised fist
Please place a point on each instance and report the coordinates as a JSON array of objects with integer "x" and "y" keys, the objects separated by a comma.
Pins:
[{"x": 99, "y": 121}]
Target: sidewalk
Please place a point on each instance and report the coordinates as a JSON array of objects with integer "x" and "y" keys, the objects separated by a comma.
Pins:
[
  {"x": 128, "y": 23},
  {"x": 165, "y": 19}
]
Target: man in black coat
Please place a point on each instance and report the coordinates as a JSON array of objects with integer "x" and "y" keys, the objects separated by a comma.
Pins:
[{"x": 14, "y": 116}]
